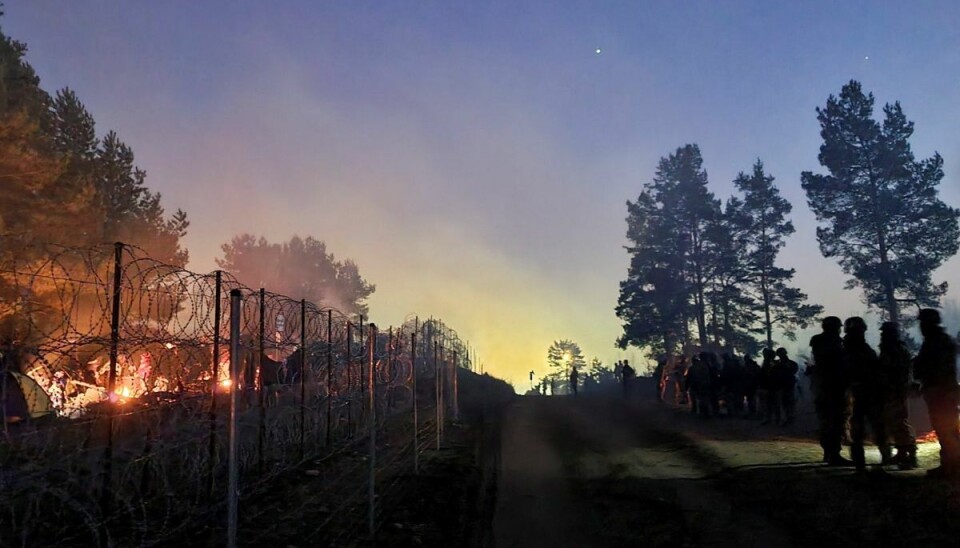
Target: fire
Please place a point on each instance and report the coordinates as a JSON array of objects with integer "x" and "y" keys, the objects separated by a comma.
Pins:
[
  {"x": 928, "y": 437},
  {"x": 226, "y": 384},
  {"x": 122, "y": 395}
]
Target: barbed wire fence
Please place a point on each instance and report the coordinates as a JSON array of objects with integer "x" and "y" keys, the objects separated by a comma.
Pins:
[{"x": 135, "y": 359}]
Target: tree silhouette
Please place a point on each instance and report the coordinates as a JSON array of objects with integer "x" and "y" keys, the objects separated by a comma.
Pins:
[{"x": 879, "y": 208}]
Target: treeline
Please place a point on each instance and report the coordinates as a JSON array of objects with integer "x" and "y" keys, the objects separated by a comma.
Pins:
[
  {"x": 705, "y": 273},
  {"x": 62, "y": 183}
]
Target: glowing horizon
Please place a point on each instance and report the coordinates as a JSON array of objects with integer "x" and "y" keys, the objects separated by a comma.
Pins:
[{"x": 475, "y": 160}]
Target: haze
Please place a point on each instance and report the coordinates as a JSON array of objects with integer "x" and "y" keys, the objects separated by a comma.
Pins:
[{"x": 475, "y": 158}]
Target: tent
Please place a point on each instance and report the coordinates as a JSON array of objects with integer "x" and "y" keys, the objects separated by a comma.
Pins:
[{"x": 24, "y": 399}]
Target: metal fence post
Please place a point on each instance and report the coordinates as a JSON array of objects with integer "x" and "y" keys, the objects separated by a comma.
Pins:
[
  {"x": 372, "y": 411},
  {"x": 329, "y": 372},
  {"x": 106, "y": 494},
  {"x": 303, "y": 371},
  {"x": 349, "y": 373},
  {"x": 212, "y": 449},
  {"x": 261, "y": 426},
  {"x": 234, "y": 466},
  {"x": 363, "y": 388},
  {"x": 456, "y": 388},
  {"x": 413, "y": 382},
  {"x": 436, "y": 370}
]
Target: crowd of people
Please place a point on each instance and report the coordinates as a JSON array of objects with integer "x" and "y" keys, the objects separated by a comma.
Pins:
[
  {"x": 854, "y": 388},
  {"x": 728, "y": 384}
]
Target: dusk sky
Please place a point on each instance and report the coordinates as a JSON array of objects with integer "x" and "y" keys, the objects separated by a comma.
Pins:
[{"x": 474, "y": 158}]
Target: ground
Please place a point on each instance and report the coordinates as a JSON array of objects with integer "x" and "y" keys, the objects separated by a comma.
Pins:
[
  {"x": 593, "y": 471},
  {"x": 600, "y": 472}
]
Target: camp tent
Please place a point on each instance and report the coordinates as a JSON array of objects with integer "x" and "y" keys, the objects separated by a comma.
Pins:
[{"x": 24, "y": 399}]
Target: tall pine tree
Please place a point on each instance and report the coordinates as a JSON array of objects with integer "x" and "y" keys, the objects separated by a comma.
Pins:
[
  {"x": 764, "y": 212},
  {"x": 879, "y": 209},
  {"x": 669, "y": 275}
]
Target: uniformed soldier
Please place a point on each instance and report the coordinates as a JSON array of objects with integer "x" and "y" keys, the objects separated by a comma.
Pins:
[
  {"x": 787, "y": 384},
  {"x": 863, "y": 369},
  {"x": 769, "y": 393},
  {"x": 935, "y": 367},
  {"x": 831, "y": 389},
  {"x": 698, "y": 386},
  {"x": 895, "y": 367}
]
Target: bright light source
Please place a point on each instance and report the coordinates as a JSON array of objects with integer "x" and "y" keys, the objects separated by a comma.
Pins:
[
  {"x": 169, "y": 346},
  {"x": 226, "y": 383}
]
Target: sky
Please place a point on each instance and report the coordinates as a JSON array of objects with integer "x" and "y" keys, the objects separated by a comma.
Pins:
[{"x": 475, "y": 158}]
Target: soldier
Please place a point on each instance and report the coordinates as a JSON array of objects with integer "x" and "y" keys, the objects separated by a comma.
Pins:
[
  {"x": 698, "y": 386},
  {"x": 895, "y": 367},
  {"x": 769, "y": 396},
  {"x": 829, "y": 378},
  {"x": 751, "y": 380},
  {"x": 863, "y": 369},
  {"x": 732, "y": 380},
  {"x": 574, "y": 378},
  {"x": 659, "y": 375},
  {"x": 628, "y": 376},
  {"x": 787, "y": 381},
  {"x": 935, "y": 367}
]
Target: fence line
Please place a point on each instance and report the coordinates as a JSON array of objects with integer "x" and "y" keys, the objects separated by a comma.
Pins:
[{"x": 135, "y": 355}]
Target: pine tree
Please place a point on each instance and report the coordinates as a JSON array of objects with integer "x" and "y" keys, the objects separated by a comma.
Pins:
[
  {"x": 879, "y": 209},
  {"x": 766, "y": 228},
  {"x": 562, "y": 356},
  {"x": 733, "y": 309},
  {"x": 669, "y": 274},
  {"x": 300, "y": 268}
]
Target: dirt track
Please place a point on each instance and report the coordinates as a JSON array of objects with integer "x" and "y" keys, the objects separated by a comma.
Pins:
[{"x": 596, "y": 472}]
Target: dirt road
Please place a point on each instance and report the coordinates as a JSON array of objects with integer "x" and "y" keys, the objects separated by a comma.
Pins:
[{"x": 587, "y": 472}]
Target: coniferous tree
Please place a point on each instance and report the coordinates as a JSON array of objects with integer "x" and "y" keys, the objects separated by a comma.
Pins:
[
  {"x": 669, "y": 275},
  {"x": 652, "y": 301},
  {"x": 562, "y": 356},
  {"x": 60, "y": 184},
  {"x": 300, "y": 268},
  {"x": 764, "y": 212},
  {"x": 734, "y": 317},
  {"x": 879, "y": 207}
]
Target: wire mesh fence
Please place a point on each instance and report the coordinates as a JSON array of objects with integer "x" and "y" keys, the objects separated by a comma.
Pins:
[{"x": 117, "y": 389}]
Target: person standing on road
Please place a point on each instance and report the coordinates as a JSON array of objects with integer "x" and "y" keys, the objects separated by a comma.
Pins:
[
  {"x": 658, "y": 375},
  {"x": 935, "y": 367},
  {"x": 830, "y": 382},
  {"x": 628, "y": 375},
  {"x": 769, "y": 396},
  {"x": 698, "y": 387},
  {"x": 787, "y": 381},
  {"x": 863, "y": 369},
  {"x": 751, "y": 381},
  {"x": 895, "y": 367},
  {"x": 574, "y": 378}
]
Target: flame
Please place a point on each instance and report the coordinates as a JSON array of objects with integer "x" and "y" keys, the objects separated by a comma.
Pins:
[
  {"x": 226, "y": 384},
  {"x": 928, "y": 437}
]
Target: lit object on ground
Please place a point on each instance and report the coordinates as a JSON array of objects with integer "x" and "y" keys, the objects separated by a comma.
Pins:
[
  {"x": 226, "y": 384},
  {"x": 121, "y": 395},
  {"x": 169, "y": 346}
]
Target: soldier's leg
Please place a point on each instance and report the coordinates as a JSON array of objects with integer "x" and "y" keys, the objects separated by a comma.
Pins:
[
  {"x": 857, "y": 432},
  {"x": 901, "y": 431},
  {"x": 943, "y": 417},
  {"x": 789, "y": 403},
  {"x": 878, "y": 425}
]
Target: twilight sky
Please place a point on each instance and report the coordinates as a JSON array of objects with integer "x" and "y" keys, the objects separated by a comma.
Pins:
[{"x": 474, "y": 158}]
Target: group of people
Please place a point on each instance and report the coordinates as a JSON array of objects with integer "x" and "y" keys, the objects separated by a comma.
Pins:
[
  {"x": 709, "y": 384},
  {"x": 852, "y": 382},
  {"x": 855, "y": 388}
]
